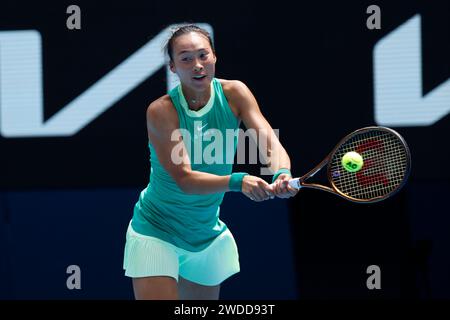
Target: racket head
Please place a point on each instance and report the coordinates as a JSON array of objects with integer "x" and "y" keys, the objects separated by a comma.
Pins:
[{"x": 387, "y": 164}]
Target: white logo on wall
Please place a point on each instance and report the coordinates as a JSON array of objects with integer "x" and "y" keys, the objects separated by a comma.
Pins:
[
  {"x": 398, "y": 93},
  {"x": 21, "y": 88},
  {"x": 399, "y": 99}
]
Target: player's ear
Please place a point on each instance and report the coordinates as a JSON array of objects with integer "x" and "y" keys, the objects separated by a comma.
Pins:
[
  {"x": 215, "y": 58},
  {"x": 172, "y": 66}
]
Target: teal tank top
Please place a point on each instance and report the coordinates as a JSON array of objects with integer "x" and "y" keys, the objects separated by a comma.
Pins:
[{"x": 190, "y": 221}]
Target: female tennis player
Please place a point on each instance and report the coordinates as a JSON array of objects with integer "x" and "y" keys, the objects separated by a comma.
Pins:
[{"x": 176, "y": 245}]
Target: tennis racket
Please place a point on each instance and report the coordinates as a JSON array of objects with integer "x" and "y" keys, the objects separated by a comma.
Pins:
[{"x": 385, "y": 169}]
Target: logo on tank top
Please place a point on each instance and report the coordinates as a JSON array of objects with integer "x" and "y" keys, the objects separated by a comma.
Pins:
[
  {"x": 199, "y": 132},
  {"x": 218, "y": 146},
  {"x": 200, "y": 128}
]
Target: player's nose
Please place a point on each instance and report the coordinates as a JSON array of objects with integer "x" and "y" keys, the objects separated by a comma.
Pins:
[{"x": 197, "y": 66}]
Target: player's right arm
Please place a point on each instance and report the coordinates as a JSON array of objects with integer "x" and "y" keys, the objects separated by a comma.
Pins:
[{"x": 165, "y": 136}]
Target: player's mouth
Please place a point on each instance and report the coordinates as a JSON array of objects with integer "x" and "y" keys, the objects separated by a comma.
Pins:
[{"x": 199, "y": 77}]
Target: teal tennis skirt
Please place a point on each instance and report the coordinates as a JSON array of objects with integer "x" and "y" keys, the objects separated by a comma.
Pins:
[{"x": 147, "y": 256}]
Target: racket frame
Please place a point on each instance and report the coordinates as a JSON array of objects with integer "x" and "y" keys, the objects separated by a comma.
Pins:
[{"x": 299, "y": 183}]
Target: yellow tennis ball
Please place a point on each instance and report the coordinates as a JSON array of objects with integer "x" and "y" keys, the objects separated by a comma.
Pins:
[{"x": 352, "y": 161}]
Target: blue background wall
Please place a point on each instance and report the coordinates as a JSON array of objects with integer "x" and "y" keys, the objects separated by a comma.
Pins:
[{"x": 44, "y": 232}]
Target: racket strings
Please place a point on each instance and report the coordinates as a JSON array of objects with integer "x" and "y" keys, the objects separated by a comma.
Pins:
[
  {"x": 375, "y": 176},
  {"x": 385, "y": 165}
]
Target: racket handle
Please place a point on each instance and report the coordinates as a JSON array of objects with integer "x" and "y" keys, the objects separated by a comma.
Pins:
[{"x": 295, "y": 183}]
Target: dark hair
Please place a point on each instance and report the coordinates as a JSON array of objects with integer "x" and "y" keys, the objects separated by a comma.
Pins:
[{"x": 185, "y": 29}]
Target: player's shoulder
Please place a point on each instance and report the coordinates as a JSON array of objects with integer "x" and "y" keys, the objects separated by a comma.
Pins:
[
  {"x": 238, "y": 95},
  {"x": 233, "y": 88},
  {"x": 161, "y": 112}
]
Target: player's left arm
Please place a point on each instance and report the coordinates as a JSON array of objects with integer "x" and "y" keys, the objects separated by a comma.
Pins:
[{"x": 269, "y": 146}]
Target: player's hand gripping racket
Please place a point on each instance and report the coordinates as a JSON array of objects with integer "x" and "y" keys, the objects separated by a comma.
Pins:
[{"x": 368, "y": 165}]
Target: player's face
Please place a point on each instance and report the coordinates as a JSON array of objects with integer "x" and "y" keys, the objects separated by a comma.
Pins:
[{"x": 193, "y": 60}]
